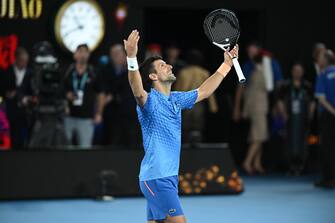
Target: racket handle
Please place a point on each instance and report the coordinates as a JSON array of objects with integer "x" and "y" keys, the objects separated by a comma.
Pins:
[{"x": 238, "y": 70}]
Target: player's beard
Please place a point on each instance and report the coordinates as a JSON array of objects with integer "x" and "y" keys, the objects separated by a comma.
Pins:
[{"x": 172, "y": 78}]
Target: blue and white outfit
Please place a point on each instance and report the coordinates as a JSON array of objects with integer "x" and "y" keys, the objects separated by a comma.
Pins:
[{"x": 160, "y": 119}]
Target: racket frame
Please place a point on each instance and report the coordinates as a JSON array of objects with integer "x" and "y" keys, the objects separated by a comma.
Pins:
[{"x": 226, "y": 48}]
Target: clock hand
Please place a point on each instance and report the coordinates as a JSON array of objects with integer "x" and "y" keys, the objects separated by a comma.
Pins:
[
  {"x": 73, "y": 30},
  {"x": 77, "y": 21}
]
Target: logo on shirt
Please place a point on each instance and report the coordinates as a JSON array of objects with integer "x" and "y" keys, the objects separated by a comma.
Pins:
[{"x": 172, "y": 211}]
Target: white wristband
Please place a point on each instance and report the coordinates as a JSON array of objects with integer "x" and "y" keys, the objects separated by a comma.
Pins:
[{"x": 132, "y": 63}]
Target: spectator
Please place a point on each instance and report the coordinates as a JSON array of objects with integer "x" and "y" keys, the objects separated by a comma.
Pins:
[
  {"x": 296, "y": 106},
  {"x": 269, "y": 67},
  {"x": 15, "y": 79},
  {"x": 255, "y": 108},
  {"x": 272, "y": 69},
  {"x": 191, "y": 77},
  {"x": 325, "y": 93},
  {"x": 120, "y": 116},
  {"x": 85, "y": 98},
  {"x": 316, "y": 67}
]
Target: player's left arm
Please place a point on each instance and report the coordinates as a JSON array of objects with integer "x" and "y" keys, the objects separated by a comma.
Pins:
[{"x": 212, "y": 83}]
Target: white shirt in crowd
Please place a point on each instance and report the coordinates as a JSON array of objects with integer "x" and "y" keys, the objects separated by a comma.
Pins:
[{"x": 19, "y": 74}]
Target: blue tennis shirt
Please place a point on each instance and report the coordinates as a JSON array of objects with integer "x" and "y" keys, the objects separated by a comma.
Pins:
[{"x": 160, "y": 120}]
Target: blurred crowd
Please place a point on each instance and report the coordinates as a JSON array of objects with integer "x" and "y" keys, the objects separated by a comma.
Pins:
[{"x": 99, "y": 108}]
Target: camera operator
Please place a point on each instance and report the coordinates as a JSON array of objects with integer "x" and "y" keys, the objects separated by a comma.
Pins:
[
  {"x": 46, "y": 100},
  {"x": 85, "y": 98}
]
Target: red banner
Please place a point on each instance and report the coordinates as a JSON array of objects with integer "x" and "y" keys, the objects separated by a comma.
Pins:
[{"x": 8, "y": 46}]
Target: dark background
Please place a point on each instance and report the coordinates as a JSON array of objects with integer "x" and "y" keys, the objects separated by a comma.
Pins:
[{"x": 288, "y": 28}]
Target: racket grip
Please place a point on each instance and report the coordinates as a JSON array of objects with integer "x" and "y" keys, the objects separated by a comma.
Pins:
[{"x": 238, "y": 70}]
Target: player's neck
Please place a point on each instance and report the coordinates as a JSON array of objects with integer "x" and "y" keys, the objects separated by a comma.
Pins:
[{"x": 163, "y": 88}]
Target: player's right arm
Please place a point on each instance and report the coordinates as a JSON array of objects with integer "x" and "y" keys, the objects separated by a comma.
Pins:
[{"x": 134, "y": 76}]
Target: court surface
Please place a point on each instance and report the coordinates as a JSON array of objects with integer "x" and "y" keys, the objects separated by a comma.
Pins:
[{"x": 271, "y": 199}]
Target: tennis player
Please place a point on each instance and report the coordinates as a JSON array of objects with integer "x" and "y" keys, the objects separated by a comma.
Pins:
[{"x": 159, "y": 113}]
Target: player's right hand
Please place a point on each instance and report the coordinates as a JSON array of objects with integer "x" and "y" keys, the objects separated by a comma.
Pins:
[
  {"x": 130, "y": 44},
  {"x": 228, "y": 56}
]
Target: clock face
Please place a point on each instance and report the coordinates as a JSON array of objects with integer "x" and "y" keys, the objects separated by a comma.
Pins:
[{"x": 79, "y": 22}]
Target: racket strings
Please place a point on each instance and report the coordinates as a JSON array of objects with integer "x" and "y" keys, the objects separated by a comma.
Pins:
[
  {"x": 223, "y": 31},
  {"x": 222, "y": 27}
]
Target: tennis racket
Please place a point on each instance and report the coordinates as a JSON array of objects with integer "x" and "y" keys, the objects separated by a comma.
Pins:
[{"x": 223, "y": 30}]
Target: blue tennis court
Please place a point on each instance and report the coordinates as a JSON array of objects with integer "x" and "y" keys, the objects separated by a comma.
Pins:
[{"x": 266, "y": 199}]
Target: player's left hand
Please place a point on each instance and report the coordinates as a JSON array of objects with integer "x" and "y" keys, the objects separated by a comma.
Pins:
[{"x": 131, "y": 44}]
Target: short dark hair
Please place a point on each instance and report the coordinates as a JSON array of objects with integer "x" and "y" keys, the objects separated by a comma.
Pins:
[
  {"x": 84, "y": 45},
  {"x": 147, "y": 67}
]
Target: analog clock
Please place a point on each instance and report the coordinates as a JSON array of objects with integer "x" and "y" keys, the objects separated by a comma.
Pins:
[{"x": 79, "y": 22}]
